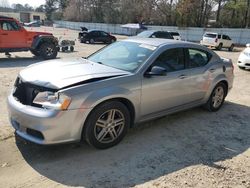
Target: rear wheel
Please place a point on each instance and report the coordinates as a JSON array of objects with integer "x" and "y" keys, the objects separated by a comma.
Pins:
[
  {"x": 48, "y": 51},
  {"x": 71, "y": 48},
  {"x": 217, "y": 97},
  {"x": 241, "y": 67},
  {"x": 231, "y": 48},
  {"x": 220, "y": 46},
  {"x": 107, "y": 124}
]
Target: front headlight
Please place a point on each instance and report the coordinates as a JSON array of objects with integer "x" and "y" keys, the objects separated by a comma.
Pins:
[{"x": 58, "y": 101}]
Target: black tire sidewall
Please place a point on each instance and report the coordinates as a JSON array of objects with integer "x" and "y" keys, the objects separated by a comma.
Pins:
[
  {"x": 43, "y": 48},
  {"x": 35, "y": 52},
  {"x": 209, "y": 104},
  {"x": 91, "y": 41},
  {"x": 93, "y": 117}
]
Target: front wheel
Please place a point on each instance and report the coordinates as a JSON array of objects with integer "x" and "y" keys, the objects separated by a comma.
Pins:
[
  {"x": 48, "y": 51},
  {"x": 91, "y": 41},
  {"x": 107, "y": 124},
  {"x": 217, "y": 98}
]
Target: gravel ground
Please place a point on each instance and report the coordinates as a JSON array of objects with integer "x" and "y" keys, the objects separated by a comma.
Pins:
[{"x": 193, "y": 148}]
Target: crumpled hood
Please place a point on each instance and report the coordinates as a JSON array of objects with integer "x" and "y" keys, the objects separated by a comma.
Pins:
[{"x": 60, "y": 73}]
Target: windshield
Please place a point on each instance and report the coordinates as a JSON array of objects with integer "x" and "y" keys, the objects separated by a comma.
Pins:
[
  {"x": 145, "y": 34},
  {"x": 126, "y": 56},
  {"x": 210, "y": 35}
]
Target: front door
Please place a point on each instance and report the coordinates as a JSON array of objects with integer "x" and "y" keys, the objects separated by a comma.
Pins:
[
  {"x": 160, "y": 93},
  {"x": 12, "y": 35}
]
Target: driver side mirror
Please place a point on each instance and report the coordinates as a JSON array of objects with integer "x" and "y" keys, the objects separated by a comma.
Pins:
[{"x": 156, "y": 71}]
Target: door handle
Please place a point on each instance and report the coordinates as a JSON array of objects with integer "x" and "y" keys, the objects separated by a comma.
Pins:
[
  {"x": 211, "y": 70},
  {"x": 183, "y": 76}
]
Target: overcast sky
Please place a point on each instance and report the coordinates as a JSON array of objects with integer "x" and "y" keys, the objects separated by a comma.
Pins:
[{"x": 33, "y": 3}]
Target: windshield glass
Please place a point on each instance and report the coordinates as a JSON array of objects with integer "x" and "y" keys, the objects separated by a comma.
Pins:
[
  {"x": 210, "y": 35},
  {"x": 145, "y": 34},
  {"x": 126, "y": 56}
]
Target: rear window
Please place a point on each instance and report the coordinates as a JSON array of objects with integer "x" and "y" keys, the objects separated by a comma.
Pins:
[
  {"x": 175, "y": 34},
  {"x": 210, "y": 35}
]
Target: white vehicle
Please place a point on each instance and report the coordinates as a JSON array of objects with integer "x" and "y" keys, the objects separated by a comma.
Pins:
[
  {"x": 175, "y": 35},
  {"x": 217, "y": 41},
  {"x": 244, "y": 58}
]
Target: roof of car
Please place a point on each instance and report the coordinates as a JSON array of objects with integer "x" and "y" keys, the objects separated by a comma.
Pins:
[{"x": 156, "y": 41}]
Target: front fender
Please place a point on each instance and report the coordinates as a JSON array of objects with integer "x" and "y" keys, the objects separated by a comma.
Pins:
[{"x": 105, "y": 94}]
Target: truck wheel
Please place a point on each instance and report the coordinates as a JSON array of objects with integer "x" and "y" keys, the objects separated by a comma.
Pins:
[
  {"x": 71, "y": 48},
  {"x": 35, "y": 53},
  {"x": 48, "y": 51},
  {"x": 220, "y": 46}
]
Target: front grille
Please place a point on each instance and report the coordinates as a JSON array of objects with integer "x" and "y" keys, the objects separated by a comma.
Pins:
[{"x": 25, "y": 92}]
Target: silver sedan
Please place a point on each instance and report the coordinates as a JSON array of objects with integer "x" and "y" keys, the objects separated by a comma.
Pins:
[{"x": 98, "y": 98}]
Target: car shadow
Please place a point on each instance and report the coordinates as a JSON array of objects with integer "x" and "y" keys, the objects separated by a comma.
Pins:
[
  {"x": 17, "y": 61},
  {"x": 149, "y": 151}
]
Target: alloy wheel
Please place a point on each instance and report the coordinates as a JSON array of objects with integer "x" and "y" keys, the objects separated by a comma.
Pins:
[
  {"x": 109, "y": 126},
  {"x": 218, "y": 97}
]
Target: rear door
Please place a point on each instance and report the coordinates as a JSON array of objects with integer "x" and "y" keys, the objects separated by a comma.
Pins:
[
  {"x": 12, "y": 35},
  {"x": 199, "y": 72}
]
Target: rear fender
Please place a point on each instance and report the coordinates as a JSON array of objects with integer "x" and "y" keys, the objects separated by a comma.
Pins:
[{"x": 217, "y": 80}]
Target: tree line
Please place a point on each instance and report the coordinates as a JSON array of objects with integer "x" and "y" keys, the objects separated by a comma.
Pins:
[{"x": 181, "y": 13}]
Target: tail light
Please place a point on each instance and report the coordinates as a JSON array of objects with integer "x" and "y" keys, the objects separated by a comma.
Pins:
[{"x": 216, "y": 40}]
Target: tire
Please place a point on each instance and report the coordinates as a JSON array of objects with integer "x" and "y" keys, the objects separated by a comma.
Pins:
[
  {"x": 111, "y": 41},
  {"x": 48, "y": 50},
  {"x": 91, "y": 41},
  {"x": 35, "y": 53},
  {"x": 243, "y": 68},
  {"x": 71, "y": 48},
  {"x": 100, "y": 130},
  {"x": 83, "y": 40},
  {"x": 211, "y": 105},
  {"x": 230, "y": 49},
  {"x": 220, "y": 46}
]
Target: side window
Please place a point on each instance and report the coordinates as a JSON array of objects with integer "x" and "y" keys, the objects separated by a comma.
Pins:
[
  {"x": 104, "y": 34},
  {"x": 228, "y": 38},
  {"x": 224, "y": 37},
  {"x": 167, "y": 35},
  {"x": 198, "y": 58},
  {"x": 219, "y": 36},
  {"x": 9, "y": 26},
  {"x": 171, "y": 60}
]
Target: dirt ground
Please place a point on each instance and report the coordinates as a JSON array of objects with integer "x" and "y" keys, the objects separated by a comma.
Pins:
[{"x": 194, "y": 148}]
